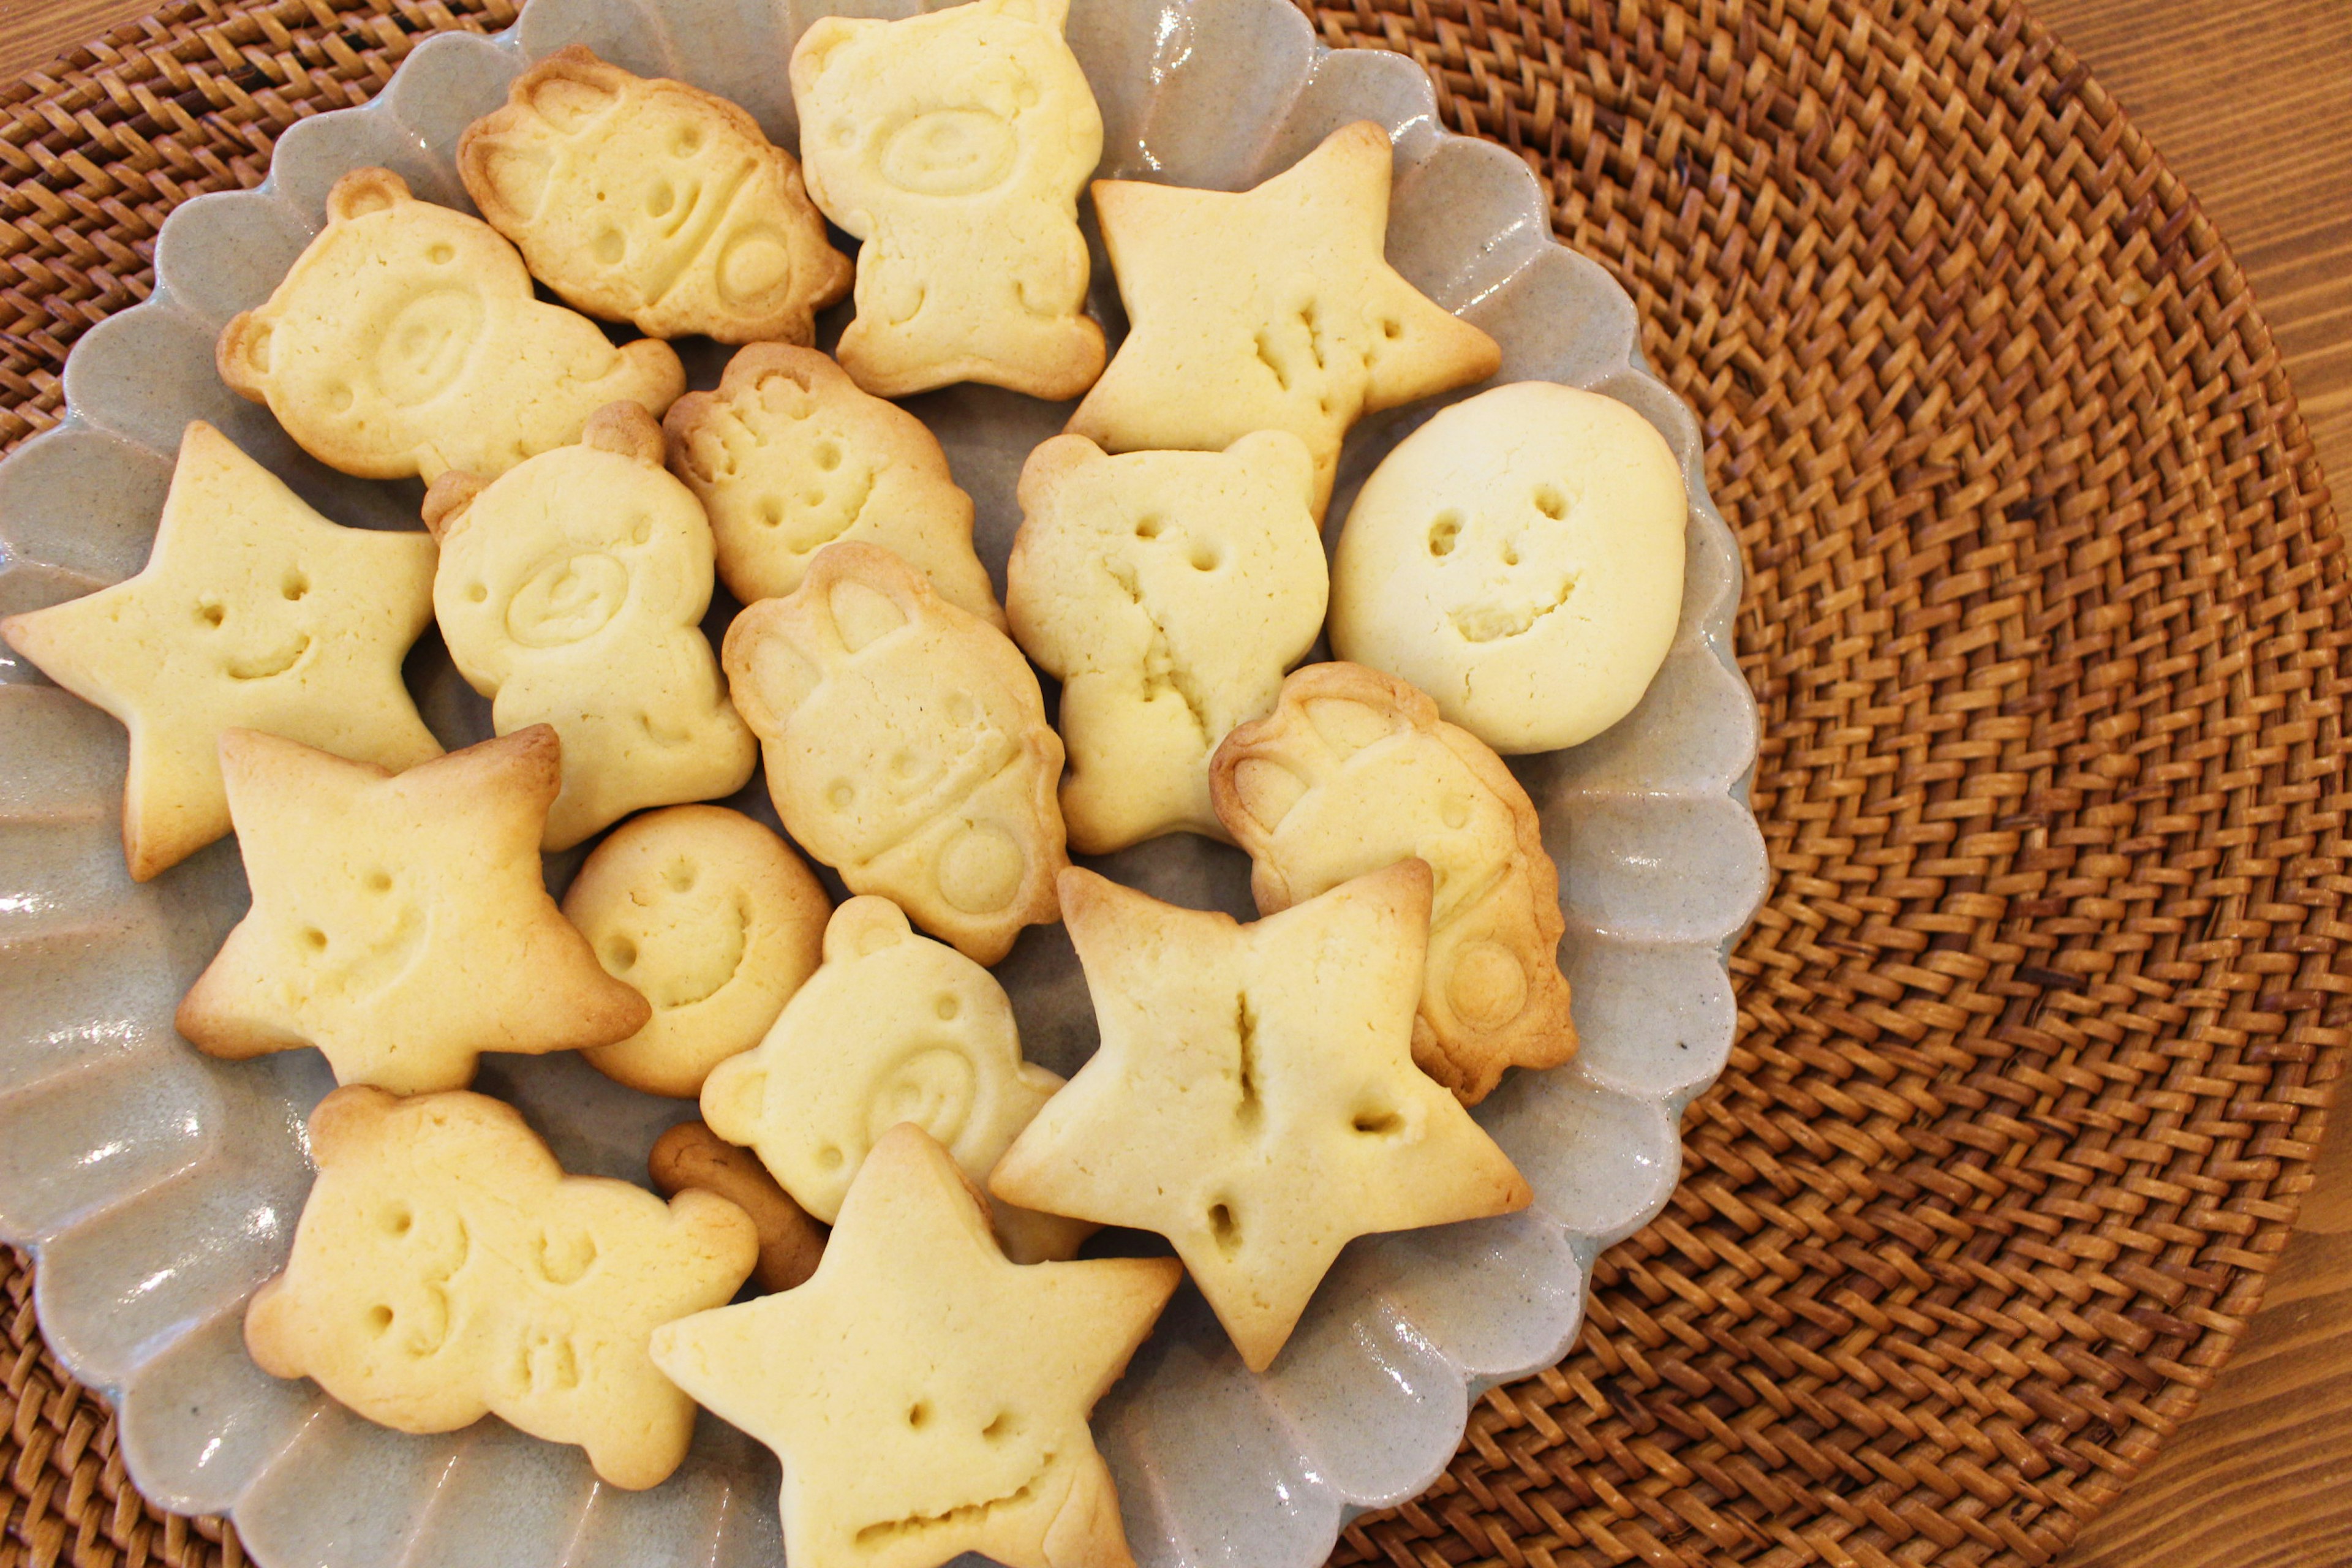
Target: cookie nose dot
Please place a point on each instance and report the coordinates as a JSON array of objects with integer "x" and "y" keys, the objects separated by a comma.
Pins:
[
  {"x": 829, "y": 1157},
  {"x": 681, "y": 876},
  {"x": 338, "y": 399},
  {"x": 828, "y": 454},
  {"x": 1444, "y": 532},
  {"x": 687, "y": 142},
  {"x": 947, "y": 1007},
  {"x": 1391, "y": 327},
  {"x": 1204, "y": 556},
  {"x": 441, "y": 254},
  {"x": 620, "y": 953},
  {"x": 397, "y": 1220},
  {"x": 314, "y": 938},
  {"x": 840, "y": 795},
  {"x": 980, "y": 869},
  {"x": 1488, "y": 985},
  {"x": 379, "y": 882},
  {"x": 918, "y": 1414},
  {"x": 477, "y": 593},
  {"x": 608, "y": 245},
  {"x": 379, "y": 1317}
]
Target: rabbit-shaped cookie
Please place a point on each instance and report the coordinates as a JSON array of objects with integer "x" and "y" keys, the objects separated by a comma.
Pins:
[
  {"x": 406, "y": 340},
  {"x": 906, "y": 746},
  {"x": 955, "y": 145},
  {"x": 570, "y": 591}
]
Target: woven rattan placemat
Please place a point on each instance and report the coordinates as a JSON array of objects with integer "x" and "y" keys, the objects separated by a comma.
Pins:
[{"x": 2045, "y": 609}]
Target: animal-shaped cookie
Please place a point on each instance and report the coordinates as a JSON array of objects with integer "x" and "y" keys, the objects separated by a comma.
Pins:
[
  {"x": 928, "y": 1397},
  {"x": 714, "y": 920},
  {"x": 1354, "y": 769},
  {"x": 253, "y": 612},
  {"x": 445, "y": 1268},
  {"x": 788, "y": 455},
  {"x": 649, "y": 201},
  {"x": 893, "y": 1027},
  {"x": 570, "y": 592},
  {"x": 1520, "y": 559},
  {"x": 954, "y": 144},
  {"x": 691, "y": 1155},
  {"x": 406, "y": 340},
  {"x": 906, "y": 746},
  {"x": 1167, "y": 591},
  {"x": 399, "y": 923},
  {"x": 1272, "y": 308},
  {"x": 1254, "y": 1098}
]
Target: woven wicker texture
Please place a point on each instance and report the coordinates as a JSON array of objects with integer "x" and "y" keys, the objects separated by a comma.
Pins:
[{"x": 2046, "y": 613}]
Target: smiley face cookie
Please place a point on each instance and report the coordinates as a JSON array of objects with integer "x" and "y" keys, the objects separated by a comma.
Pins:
[
  {"x": 1275, "y": 309},
  {"x": 253, "y": 612},
  {"x": 1520, "y": 559},
  {"x": 788, "y": 457},
  {"x": 648, "y": 200},
  {"x": 405, "y": 340},
  {"x": 906, "y": 746},
  {"x": 714, "y": 920},
  {"x": 954, "y": 144},
  {"x": 1353, "y": 771},
  {"x": 893, "y": 1028},
  {"x": 928, "y": 1397},
  {"x": 399, "y": 923},
  {"x": 445, "y": 1268},
  {"x": 570, "y": 592},
  {"x": 1169, "y": 590}
]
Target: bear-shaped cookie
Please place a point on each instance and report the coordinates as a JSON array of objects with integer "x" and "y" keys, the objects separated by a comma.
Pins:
[
  {"x": 570, "y": 592},
  {"x": 906, "y": 746},
  {"x": 1353, "y": 771},
  {"x": 892, "y": 1028},
  {"x": 645, "y": 200},
  {"x": 955, "y": 145},
  {"x": 788, "y": 455},
  {"x": 444, "y": 1268},
  {"x": 406, "y": 340},
  {"x": 1167, "y": 591}
]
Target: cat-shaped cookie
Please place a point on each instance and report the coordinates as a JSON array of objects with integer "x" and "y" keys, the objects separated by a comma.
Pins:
[
  {"x": 645, "y": 200},
  {"x": 906, "y": 746},
  {"x": 406, "y": 340}
]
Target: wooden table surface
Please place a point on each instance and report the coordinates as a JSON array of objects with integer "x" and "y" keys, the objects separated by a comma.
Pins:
[{"x": 2252, "y": 105}]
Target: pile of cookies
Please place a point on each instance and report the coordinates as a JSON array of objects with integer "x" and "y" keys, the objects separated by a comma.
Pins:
[{"x": 910, "y": 1194}]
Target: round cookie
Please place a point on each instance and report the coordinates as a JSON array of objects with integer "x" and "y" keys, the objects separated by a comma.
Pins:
[
  {"x": 715, "y": 920},
  {"x": 1519, "y": 558}
]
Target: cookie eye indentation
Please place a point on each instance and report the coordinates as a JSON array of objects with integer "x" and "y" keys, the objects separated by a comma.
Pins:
[
  {"x": 681, "y": 876},
  {"x": 620, "y": 953},
  {"x": 1444, "y": 532},
  {"x": 441, "y": 254},
  {"x": 687, "y": 142},
  {"x": 1550, "y": 503},
  {"x": 660, "y": 198},
  {"x": 999, "y": 1427},
  {"x": 477, "y": 592},
  {"x": 918, "y": 1414},
  {"x": 314, "y": 938},
  {"x": 295, "y": 585},
  {"x": 947, "y": 1007},
  {"x": 1225, "y": 1227},
  {"x": 1377, "y": 1122},
  {"x": 828, "y": 454},
  {"x": 771, "y": 511},
  {"x": 379, "y": 1319},
  {"x": 397, "y": 1219},
  {"x": 840, "y": 795},
  {"x": 1148, "y": 527},
  {"x": 211, "y": 612},
  {"x": 379, "y": 880},
  {"x": 829, "y": 1157},
  {"x": 1205, "y": 556}
]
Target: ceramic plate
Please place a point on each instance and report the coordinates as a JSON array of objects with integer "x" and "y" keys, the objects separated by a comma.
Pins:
[{"x": 160, "y": 1186}]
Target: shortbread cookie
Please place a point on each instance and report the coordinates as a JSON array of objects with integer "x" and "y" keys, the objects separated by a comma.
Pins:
[
  {"x": 1274, "y": 309},
  {"x": 690, "y": 1156},
  {"x": 788, "y": 455},
  {"x": 893, "y": 1028},
  {"x": 406, "y": 340},
  {"x": 714, "y": 920},
  {"x": 1254, "y": 1098},
  {"x": 399, "y": 923},
  {"x": 1167, "y": 591},
  {"x": 445, "y": 1268},
  {"x": 1354, "y": 769},
  {"x": 253, "y": 612},
  {"x": 954, "y": 144},
  {"x": 570, "y": 591},
  {"x": 1520, "y": 559},
  {"x": 926, "y": 1398},
  {"x": 648, "y": 200},
  {"x": 906, "y": 746}
]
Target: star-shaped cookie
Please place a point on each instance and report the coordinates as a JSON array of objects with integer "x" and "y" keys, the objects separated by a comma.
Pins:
[
  {"x": 926, "y": 1398},
  {"x": 399, "y": 923},
  {"x": 254, "y": 612},
  {"x": 1271, "y": 309},
  {"x": 1254, "y": 1098}
]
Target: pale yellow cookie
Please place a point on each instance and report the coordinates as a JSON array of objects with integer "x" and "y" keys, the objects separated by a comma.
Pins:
[
  {"x": 445, "y": 1268},
  {"x": 906, "y": 746},
  {"x": 893, "y": 1027},
  {"x": 1520, "y": 559},
  {"x": 954, "y": 143},
  {"x": 926, "y": 1398},
  {"x": 788, "y": 457},
  {"x": 399, "y": 923},
  {"x": 406, "y": 340},
  {"x": 1254, "y": 1098},
  {"x": 253, "y": 612},
  {"x": 570, "y": 591},
  {"x": 1167, "y": 591},
  {"x": 1353, "y": 771},
  {"x": 714, "y": 920},
  {"x": 1273, "y": 308},
  {"x": 691, "y": 1155},
  {"x": 645, "y": 200}
]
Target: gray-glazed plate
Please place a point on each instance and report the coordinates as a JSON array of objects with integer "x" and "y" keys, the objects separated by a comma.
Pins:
[{"x": 160, "y": 1186}]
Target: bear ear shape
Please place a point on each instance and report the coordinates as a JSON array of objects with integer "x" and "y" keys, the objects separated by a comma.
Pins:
[
  {"x": 242, "y": 355},
  {"x": 625, "y": 430},
  {"x": 445, "y": 501},
  {"x": 366, "y": 191},
  {"x": 734, "y": 1097},
  {"x": 1282, "y": 457},
  {"x": 813, "y": 53},
  {"x": 346, "y": 1121},
  {"x": 571, "y": 89},
  {"x": 767, "y": 678},
  {"x": 507, "y": 175},
  {"x": 865, "y": 924},
  {"x": 1050, "y": 463}
]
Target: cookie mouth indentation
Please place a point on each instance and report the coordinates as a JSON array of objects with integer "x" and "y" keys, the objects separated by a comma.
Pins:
[
  {"x": 261, "y": 667},
  {"x": 1492, "y": 620}
]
